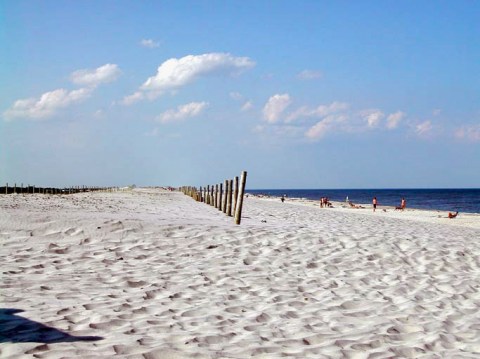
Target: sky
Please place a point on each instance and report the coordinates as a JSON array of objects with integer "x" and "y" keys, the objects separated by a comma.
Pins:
[{"x": 300, "y": 94}]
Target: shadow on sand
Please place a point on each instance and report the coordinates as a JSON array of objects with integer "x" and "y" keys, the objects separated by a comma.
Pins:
[{"x": 16, "y": 329}]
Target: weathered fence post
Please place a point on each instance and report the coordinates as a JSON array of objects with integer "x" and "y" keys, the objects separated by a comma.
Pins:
[
  {"x": 241, "y": 190},
  {"x": 224, "y": 199},
  {"x": 235, "y": 193},
  {"x": 216, "y": 196},
  {"x": 229, "y": 198},
  {"x": 220, "y": 196}
]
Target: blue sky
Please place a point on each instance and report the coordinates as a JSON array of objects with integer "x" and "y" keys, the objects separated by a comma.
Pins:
[{"x": 301, "y": 94}]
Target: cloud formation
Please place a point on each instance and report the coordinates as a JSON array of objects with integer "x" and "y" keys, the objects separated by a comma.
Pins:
[
  {"x": 317, "y": 112},
  {"x": 469, "y": 133},
  {"x": 50, "y": 102},
  {"x": 394, "y": 119},
  {"x": 372, "y": 117},
  {"x": 47, "y": 104},
  {"x": 309, "y": 75},
  {"x": 314, "y": 122},
  {"x": 182, "y": 112},
  {"x": 247, "y": 106},
  {"x": 275, "y": 106},
  {"x": 176, "y": 73},
  {"x": 149, "y": 43},
  {"x": 319, "y": 130},
  {"x": 424, "y": 128},
  {"x": 92, "y": 78}
]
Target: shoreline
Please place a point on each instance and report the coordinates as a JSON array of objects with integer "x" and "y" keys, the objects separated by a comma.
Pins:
[
  {"x": 449, "y": 200},
  {"x": 464, "y": 219}
]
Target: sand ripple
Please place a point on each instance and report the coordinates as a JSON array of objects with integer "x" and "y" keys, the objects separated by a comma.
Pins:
[{"x": 157, "y": 275}]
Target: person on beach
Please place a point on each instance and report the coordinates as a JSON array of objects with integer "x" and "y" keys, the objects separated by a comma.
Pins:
[
  {"x": 402, "y": 206},
  {"x": 452, "y": 215},
  {"x": 374, "y": 203},
  {"x": 282, "y": 199},
  {"x": 321, "y": 202}
]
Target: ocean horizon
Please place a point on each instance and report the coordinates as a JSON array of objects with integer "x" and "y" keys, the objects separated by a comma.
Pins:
[{"x": 442, "y": 199}]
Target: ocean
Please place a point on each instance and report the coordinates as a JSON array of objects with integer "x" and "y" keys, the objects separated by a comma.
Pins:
[{"x": 461, "y": 200}]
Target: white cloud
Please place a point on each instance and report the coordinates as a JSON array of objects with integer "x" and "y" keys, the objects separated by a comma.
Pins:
[
  {"x": 182, "y": 112},
  {"x": 275, "y": 106},
  {"x": 47, "y": 105},
  {"x": 133, "y": 98},
  {"x": 247, "y": 106},
  {"x": 95, "y": 77},
  {"x": 319, "y": 130},
  {"x": 423, "y": 128},
  {"x": 372, "y": 117},
  {"x": 149, "y": 43},
  {"x": 309, "y": 75},
  {"x": 469, "y": 133},
  {"x": 318, "y": 112},
  {"x": 175, "y": 73},
  {"x": 394, "y": 119}
]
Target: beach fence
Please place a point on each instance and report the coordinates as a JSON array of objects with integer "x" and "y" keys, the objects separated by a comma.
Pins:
[
  {"x": 226, "y": 197},
  {"x": 52, "y": 190}
]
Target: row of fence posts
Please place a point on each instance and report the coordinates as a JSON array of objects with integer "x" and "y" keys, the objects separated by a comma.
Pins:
[
  {"x": 51, "y": 190},
  {"x": 226, "y": 197}
]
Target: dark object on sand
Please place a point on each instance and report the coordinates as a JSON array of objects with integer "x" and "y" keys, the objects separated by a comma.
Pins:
[{"x": 452, "y": 215}]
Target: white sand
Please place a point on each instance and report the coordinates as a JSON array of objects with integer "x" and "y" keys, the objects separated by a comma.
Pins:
[{"x": 158, "y": 275}]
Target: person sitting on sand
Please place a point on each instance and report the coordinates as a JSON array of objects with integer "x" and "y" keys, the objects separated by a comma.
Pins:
[
  {"x": 452, "y": 215},
  {"x": 354, "y": 205}
]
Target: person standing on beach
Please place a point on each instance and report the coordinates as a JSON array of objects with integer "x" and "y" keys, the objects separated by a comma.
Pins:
[
  {"x": 403, "y": 204},
  {"x": 374, "y": 203}
]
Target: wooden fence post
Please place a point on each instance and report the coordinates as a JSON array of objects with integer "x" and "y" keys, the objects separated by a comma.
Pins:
[
  {"x": 229, "y": 198},
  {"x": 238, "y": 209},
  {"x": 212, "y": 196},
  {"x": 224, "y": 199},
  {"x": 220, "y": 195},
  {"x": 235, "y": 193},
  {"x": 216, "y": 196}
]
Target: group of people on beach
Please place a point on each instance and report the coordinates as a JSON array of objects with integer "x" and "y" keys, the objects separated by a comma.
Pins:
[
  {"x": 324, "y": 202},
  {"x": 403, "y": 204}
]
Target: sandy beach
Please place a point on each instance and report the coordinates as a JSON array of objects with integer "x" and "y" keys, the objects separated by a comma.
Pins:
[{"x": 149, "y": 273}]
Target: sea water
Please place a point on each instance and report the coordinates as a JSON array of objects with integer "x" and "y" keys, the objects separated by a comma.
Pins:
[{"x": 462, "y": 200}]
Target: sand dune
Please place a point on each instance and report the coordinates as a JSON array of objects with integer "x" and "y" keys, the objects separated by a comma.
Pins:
[{"x": 153, "y": 274}]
